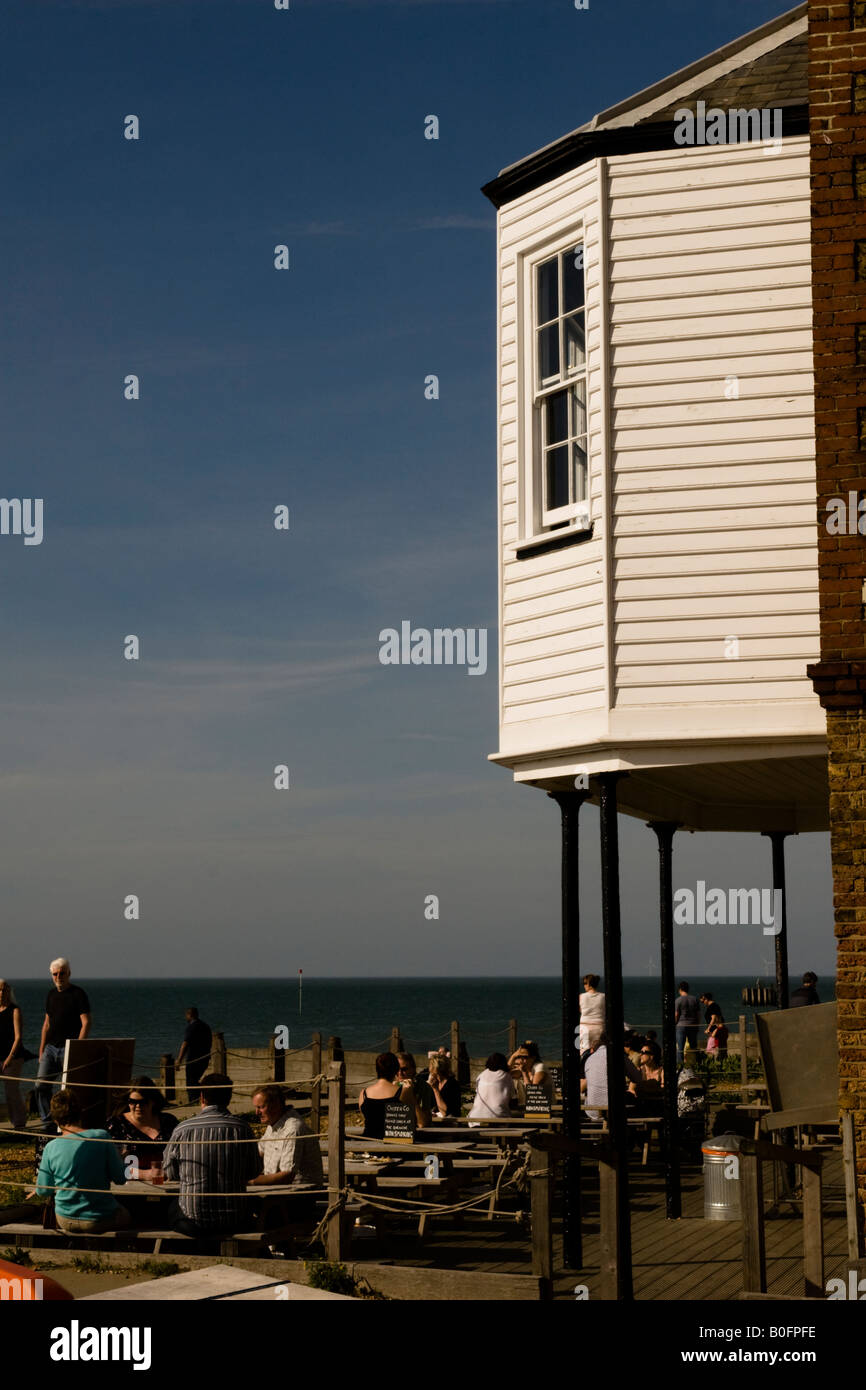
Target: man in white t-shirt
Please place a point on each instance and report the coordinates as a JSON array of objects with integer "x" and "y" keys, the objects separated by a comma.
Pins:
[{"x": 290, "y": 1154}]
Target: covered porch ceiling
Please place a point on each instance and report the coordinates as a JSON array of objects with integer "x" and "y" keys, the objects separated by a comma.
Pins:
[{"x": 789, "y": 794}]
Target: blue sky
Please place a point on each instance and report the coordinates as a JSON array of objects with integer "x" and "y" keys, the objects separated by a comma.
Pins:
[{"x": 305, "y": 388}]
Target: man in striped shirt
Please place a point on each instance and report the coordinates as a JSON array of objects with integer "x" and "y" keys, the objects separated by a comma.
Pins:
[{"x": 210, "y": 1156}]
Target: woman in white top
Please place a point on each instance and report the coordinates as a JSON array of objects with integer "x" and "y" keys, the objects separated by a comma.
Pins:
[
  {"x": 494, "y": 1091},
  {"x": 591, "y": 1013}
]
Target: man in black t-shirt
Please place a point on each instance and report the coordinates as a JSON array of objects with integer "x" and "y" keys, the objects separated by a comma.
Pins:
[
  {"x": 196, "y": 1045},
  {"x": 67, "y": 1015}
]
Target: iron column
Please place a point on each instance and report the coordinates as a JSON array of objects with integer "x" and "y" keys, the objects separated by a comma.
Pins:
[
  {"x": 777, "y": 840},
  {"x": 614, "y": 1025},
  {"x": 664, "y": 830},
  {"x": 569, "y": 804}
]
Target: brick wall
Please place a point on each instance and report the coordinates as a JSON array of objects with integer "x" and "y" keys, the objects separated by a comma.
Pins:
[{"x": 837, "y": 101}]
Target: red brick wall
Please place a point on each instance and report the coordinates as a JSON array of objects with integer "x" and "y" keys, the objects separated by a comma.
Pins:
[{"x": 837, "y": 100}]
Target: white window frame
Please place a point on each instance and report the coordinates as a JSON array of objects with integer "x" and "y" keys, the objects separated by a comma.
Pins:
[{"x": 540, "y": 522}]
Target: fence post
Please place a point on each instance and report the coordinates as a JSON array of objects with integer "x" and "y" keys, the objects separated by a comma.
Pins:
[
  {"x": 608, "y": 1226},
  {"x": 455, "y": 1045},
  {"x": 396, "y": 1043},
  {"x": 167, "y": 1076},
  {"x": 512, "y": 1036},
  {"x": 335, "y": 1049},
  {"x": 336, "y": 1157},
  {"x": 218, "y": 1053},
  {"x": 813, "y": 1233},
  {"x": 540, "y": 1185},
  {"x": 316, "y": 1092},
  {"x": 849, "y": 1163},
  {"x": 744, "y": 1053},
  {"x": 752, "y": 1214}
]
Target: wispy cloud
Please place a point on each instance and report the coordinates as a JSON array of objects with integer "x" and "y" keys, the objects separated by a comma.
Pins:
[{"x": 456, "y": 222}]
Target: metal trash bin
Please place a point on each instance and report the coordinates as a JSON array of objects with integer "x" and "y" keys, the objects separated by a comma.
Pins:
[{"x": 721, "y": 1184}]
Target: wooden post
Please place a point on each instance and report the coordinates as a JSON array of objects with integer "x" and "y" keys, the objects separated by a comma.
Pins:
[
  {"x": 608, "y": 1225},
  {"x": 813, "y": 1233},
  {"x": 336, "y": 1155},
  {"x": 335, "y": 1050},
  {"x": 540, "y": 1195},
  {"x": 752, "y": 1213},
  {"x": 316, "y": 1090},
  {"x": 455, "y": 1045},
  {"x": 396, "y": 1043},
  {"x": 850, "y": 1169},
  {"x": 218, "y": 1054},
  {"x": 278, "y": 1061},
  {"x": 744, "y": 1051},
  {"x": 167, "y": 1076},
  {"x": 512, "y": 1036}
]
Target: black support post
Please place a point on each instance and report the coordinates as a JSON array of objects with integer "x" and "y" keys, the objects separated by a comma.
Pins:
[
  {"x": 777, "y": 841},
  {"x": 614, "y": 1026},
  {"x": 569, "y": 804},
  {"x": 664, "y": 831}
]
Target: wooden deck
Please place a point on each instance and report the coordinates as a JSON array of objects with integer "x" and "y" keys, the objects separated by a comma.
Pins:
[{"x": 689, "y": 1259}]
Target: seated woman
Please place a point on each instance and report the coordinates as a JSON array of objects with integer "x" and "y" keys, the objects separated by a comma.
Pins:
[
  {"x": 445, "y": 1088},
  {"x": 494, "y": 1091},
  {"x": 652, "y": 1078},
  {"x": 373, "y": 1099},
  {"x": 526, "y": 1067},
  {"x": 78, "y": 1169},
  {"x": 144, "y": 1126}
]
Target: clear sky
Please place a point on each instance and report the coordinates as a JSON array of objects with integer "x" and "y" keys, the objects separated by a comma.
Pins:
[{"x": 304, "y": 388}]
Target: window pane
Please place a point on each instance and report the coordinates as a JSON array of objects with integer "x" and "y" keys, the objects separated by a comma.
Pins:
[
  {"x": 575, "y": 342},
  {"x": 556, "y": 469},
  {"x": 572, "y": 280},
  {"x": 578, "y": 463},
  {"x": 548, "y": 291},
  {"x": 548, "y": 352},
  {"x": 578, "y": 409},
  {"x": 556, "y": 418}
]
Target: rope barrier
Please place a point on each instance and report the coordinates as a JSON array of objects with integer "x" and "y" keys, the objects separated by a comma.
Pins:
[{"x": 182, "y": 1142}]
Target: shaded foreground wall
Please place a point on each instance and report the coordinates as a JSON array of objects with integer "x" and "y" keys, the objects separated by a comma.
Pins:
[{"x": 837, "y": 98}]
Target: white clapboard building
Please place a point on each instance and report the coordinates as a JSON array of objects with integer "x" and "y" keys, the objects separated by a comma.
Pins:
[{"x": 658, "y": 581}]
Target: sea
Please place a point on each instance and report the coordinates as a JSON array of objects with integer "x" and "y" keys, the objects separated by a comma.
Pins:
[{"x": 360, "y": 1012}]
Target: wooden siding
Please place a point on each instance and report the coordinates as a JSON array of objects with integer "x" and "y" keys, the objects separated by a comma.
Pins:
[
  {"x": 714, "y": 529},
  {"x": 551, "y": 606},
  {"x": 704, "y": 275}
]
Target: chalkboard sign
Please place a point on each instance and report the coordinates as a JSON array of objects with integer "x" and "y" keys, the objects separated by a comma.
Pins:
[
  {"x": 556, "y": 1077},
  {"x": 537, "y": 1100},
  {"x": 399, "y": 1122}
]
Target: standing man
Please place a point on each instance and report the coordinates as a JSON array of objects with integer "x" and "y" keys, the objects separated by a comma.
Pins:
[
  {"x": 807, "y": 993},
  {"x": 67, "y": 1015},
  {"x": 687, "y": 1016},
  {"x": 711, "y": 1007},
  {"x": 213, "y": 1155},
  {"x": 197, "y": 1039}
]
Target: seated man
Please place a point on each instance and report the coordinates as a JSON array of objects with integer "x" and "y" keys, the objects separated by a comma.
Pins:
[
  {"x": 78, "y": 1169},
  {"x": 594, "y": 1083},
  {"x": 207, "y": 1166},
  {"x": 290, "y": 1154}
]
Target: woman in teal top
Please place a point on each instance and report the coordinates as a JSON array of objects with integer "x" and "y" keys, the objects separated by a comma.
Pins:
[{"x": 71, "y": 1168}]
